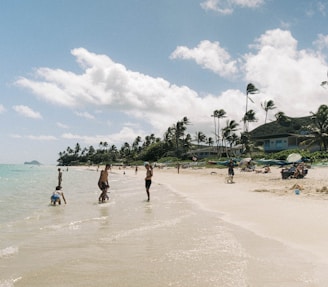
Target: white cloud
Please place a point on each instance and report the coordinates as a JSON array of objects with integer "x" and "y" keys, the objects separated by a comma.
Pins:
[
  {"x": 283, "y": 72},
  {"x": 227, "y": 6},
  {"x": 27, "y": 112},
  {"x": 321, "y": 8},
  {"x": 42, "y": 138},
  {"x": 209, "y": 55},
  {"x": 85, "y": 115},
  {"x": 289, "y": 76},
  {"x": 111, "y": 86},
  {"x": 216, "y": 5},
  {"x": 322, "y": 42},
  {"x": 61, "y": 125},
  {"x": 127, "y": 134},
  {"x": 15, "y": 136},
  {"x": 2, "y": 109},
  {"x": 315, "y": 7},
  {"x": 33, "y": 137}
]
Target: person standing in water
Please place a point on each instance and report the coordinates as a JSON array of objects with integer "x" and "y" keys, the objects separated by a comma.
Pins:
[
  {"x": 149, "y": 174},
  {"x": 60, "y": 177},
  {"x": 103, "y": 184}
]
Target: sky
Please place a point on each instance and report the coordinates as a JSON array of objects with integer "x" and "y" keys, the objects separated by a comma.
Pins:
[{"x": 91, "y": 71}]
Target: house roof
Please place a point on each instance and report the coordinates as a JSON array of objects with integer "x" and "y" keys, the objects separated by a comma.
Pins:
[{"x": 290, "y": 127}]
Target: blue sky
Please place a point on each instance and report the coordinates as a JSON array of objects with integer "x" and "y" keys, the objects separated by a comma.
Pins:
[{"x": 90, "y": 71}]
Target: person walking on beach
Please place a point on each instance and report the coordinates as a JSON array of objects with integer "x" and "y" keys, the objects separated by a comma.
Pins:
[
  {"x": 231, "y": 172},
  {"x": 149, "y": 174},
  {"x": 55, "y": 197},
  {"x": 60, "y": 177},
  {"x": 103, "y": 184}
]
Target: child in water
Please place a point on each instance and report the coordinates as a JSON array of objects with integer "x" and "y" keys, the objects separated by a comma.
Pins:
[{"x": 57, "y": 194}]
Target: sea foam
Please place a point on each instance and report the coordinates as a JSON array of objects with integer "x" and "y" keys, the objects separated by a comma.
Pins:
[{"x": 8, "y": 251}]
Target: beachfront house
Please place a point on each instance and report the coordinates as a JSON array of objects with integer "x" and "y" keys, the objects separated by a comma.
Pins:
[
  {"x": 277, "y": 136},
  {"x": 202, "y": 152}
]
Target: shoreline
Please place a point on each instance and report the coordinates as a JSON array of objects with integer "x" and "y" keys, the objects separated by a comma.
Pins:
[{"x": 262, "y": 203}]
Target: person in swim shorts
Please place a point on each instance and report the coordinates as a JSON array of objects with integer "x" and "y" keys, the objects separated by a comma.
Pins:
[
  {"x": 231, "y": 172},
  {"x": 103, "y": 184},
  {"x": 56, "y": 196},
  {"x": 60, "y": 177},
  {"x": 149, "y": 174}
]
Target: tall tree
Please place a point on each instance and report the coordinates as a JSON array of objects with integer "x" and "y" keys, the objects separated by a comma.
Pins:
[
  {"x": 200, "y": 137},
  {"x": 210, "y": 141},
  {"x": 218, "y": 114},
  {"x": 267, "y": 106},
  {"x": 250, "y": 90},
  {"x": 179, "y": 131},
  {"x": 77, "y": 149},
  {"x": 248, "y": 118},
  {"x": 282, "y": 119},
  {"x": 319, "y": 129},
  {"x": 231, "y": 127}
]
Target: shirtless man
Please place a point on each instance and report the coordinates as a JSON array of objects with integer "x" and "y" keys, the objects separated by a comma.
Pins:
[
  {"x": 149, "y": 174},
  {"x": 56, "y": 196},
  {"x": 231, "y": 172},
  {"x": 103, "y": 184},
  {"x": 60, "y": 177}
]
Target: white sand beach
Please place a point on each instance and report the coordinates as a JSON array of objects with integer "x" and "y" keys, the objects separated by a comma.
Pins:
[{"x": 263, "y": 204}]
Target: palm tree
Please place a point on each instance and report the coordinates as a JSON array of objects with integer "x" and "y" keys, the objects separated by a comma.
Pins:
[
  {"x": 77, "y": 149},
  {"x": 200, "y": 137},
  {"x": 319, "y": 129},
  {"x": 232, "y": 140},
  {"x": 231, "y": 127},
  {"x": 105, "y": 145},
  {"x": 250, "y": 90},
  {"x": 136, "y": 143},
  {"x": 282, "y": 119},
  {"x": 248, "y": 118},
  {"x": 187, "y": 143},
  {"x": 219, "y": 114},
  {"x": 215, "y": 115},
  {"x": 210, "y": 141},
  {"x": 175, "y": 136},
  {"x": 267, "y": 105}
]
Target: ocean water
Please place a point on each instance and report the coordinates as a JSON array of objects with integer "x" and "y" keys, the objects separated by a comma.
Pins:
[{"x": 128, "y": 241}]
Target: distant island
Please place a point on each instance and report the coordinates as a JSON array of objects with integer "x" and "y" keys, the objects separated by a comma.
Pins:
[{"x": 34, "y": 162}]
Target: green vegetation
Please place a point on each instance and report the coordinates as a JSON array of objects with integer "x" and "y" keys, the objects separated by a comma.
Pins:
[{"x": 177, "y": 145}]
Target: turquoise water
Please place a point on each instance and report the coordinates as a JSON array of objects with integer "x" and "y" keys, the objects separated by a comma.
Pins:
[
  {"x": 23, "y": 189},
  {"x": 165, "y": 242},
  {"x": 128, "y": 241}
]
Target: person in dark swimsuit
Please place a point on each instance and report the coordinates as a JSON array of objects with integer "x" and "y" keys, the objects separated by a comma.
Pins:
[
  {"x": 149, "y": 174},
  {"x": 103, "y": 184},
  {"x": 231, "y": 172}
]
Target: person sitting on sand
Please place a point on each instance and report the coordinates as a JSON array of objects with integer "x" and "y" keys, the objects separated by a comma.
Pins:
[
  {"x": 267, "y": 169},
  {"x": 103, "y": 184},
  {"x": 55, "y": 197},
  {"x": 299, "y": 170}
]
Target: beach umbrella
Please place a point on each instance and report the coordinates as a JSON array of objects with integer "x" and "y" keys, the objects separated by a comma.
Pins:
[{"x": 294, "y": 157}]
